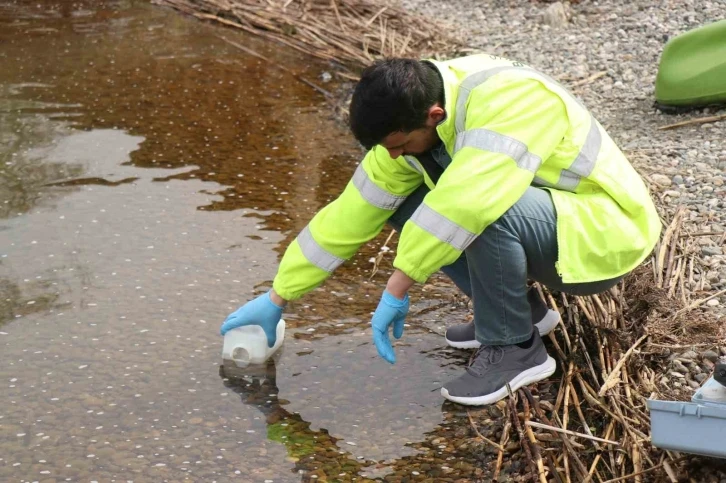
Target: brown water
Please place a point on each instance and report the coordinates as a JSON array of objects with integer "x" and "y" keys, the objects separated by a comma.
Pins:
[{"x": 150, "y": 177}]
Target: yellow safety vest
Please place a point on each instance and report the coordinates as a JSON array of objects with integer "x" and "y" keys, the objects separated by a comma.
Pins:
[{"x": 507, "y": 127}]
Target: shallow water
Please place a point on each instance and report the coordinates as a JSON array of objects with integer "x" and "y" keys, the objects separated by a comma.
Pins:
[{"x": 151, "y": 175}]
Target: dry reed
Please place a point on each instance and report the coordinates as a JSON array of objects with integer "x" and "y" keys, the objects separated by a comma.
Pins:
[{"x": 350, "y": 33}]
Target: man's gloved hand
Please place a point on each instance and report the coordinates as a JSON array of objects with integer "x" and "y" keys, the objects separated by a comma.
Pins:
[
  {"x": 260, "y": 311},
  {"x": 390, "y": 311}
]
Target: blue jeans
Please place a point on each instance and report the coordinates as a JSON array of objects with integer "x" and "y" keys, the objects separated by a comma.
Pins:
[{"x": 493, "y": 271}]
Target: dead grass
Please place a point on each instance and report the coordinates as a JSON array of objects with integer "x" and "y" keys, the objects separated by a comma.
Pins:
[{"x": 350, "y": 33}]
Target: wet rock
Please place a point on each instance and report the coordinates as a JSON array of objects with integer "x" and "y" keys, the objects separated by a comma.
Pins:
[
  {"x": 495, "y": 412},
  {"x": 710, "y": 355},
  {"x": 678, "y": 366}
]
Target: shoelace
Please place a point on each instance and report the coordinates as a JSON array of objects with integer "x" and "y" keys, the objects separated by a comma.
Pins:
[{"x": 484, "y": 357}]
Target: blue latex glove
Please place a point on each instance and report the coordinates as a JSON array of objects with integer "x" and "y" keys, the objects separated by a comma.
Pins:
[
  {"x": 390, "y": 311},
  {"x": 260, "y": 311}
]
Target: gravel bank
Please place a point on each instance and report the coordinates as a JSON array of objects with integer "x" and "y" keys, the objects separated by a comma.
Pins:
[{"x": 622, "y": 42}]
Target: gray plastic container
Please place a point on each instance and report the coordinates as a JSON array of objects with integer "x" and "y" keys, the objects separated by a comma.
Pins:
[{"x": 692, "y": 427}]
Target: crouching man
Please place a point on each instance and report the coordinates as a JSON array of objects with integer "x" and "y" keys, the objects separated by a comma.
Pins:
[{"x": 493, "y": 173}]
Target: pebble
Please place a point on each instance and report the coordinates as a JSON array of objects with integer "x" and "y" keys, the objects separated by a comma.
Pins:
[
  {"x": 555, "y": 15},
  {"x": 710, "y": 355},
  {"x": 689, "y": 355},
  {"x": 700, "y": 377},
  {"x": 660, "y": 179},
  {"x": 710, "y": 251},
  {"x": 678, "y": 366}
]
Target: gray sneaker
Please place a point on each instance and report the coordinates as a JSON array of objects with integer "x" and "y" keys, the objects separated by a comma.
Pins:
[
  {"x": 461, "y": 336},
  {"x": 492, "y": 367}
]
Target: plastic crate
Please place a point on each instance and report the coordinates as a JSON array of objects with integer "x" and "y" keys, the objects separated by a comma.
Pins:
[{"x": 692, "y": 427}]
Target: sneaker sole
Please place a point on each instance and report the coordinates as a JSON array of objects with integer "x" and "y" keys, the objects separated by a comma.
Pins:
[
  {"x": 467, "y": 344},
  {"x": 544, "y": 327},
  {"x": 530, "y": 376}
]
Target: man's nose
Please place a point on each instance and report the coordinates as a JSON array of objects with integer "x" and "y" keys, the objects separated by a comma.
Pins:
[{"x": 394, "y": 153}]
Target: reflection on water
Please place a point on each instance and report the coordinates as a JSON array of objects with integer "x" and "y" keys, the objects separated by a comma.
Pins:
[
  {"x": 315, "y": 453},
  {"x": 150, "y": 176},
  {"x": 23, "y": 138}
]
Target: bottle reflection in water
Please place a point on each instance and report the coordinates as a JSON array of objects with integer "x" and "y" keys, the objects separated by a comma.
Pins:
[{"x": 314, "y": 452}]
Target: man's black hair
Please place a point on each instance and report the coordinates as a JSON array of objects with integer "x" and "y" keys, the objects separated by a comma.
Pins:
[{"x": 393, "y": 95}]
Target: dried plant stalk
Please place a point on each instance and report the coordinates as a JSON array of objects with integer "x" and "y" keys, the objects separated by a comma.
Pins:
[{"x": 350, "y": 32}]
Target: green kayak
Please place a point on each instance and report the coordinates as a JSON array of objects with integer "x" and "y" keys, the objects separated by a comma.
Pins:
[{"x": 692, "y": 70}]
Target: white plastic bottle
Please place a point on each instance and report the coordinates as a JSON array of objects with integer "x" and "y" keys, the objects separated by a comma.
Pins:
[{"x": 248, "y": 344}]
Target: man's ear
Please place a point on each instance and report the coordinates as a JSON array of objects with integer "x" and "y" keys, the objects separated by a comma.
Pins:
[{"x": 436, "y": 115}]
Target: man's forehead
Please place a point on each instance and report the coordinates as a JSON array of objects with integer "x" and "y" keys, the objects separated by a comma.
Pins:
[{"x": 394, "y": 140}]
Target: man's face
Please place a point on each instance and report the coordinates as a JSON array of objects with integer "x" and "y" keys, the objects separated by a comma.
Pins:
[
  {"x": 410, "y": 143},
  {"x": 418, "y": 141}
]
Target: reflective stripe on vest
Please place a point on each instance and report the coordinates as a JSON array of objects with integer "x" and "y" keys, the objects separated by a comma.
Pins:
[
  {"x": 569, "y": 179},
  {"x": 442, "y": 228},
  {"x": 585, "y": 161},
  {"x": 412, "y": 162},
  {"x": 487, "y": 140},
  {"x": 373, "y": 194},
  {"x": 316, "y": 254},
  {"x": 583, "y": 164}
]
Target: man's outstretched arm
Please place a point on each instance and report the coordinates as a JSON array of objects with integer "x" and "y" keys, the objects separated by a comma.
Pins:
[{"x": 378, "y": 187}]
